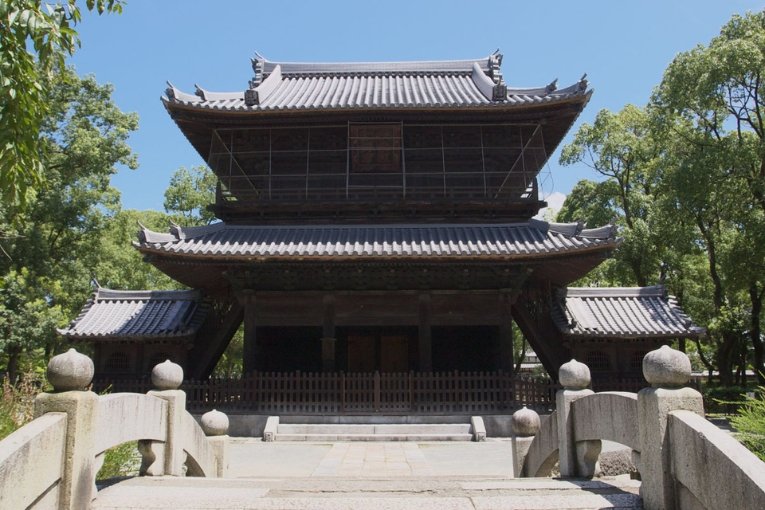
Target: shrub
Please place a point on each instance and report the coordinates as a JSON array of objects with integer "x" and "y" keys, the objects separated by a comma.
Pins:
[
  {"x": 122, "y": 460},
  {"x": 17, "y": 403},
  {"x": 750, "y": 423},
  {"x": 724, "y": 399}
]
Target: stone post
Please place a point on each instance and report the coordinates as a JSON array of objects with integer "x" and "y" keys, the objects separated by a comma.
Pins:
[
  {"x": 215, "y": 426},
  {"x": 526, "y": 424},
  {"x": 576, "y": 459},
  {"x": 667, "y": 370},
  {"x": 167, "y": 377},
  {"x": 70, "y": 374}
]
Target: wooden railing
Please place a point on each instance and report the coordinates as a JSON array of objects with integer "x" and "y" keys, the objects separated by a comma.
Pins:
[{"x": 349, "y": 393}]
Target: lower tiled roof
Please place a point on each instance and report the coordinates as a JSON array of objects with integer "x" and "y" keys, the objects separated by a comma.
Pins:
[
  {"x": 326, "y": 242},
  {"x": 628, "y": 312},
  {"x": 124, "y": 315}
]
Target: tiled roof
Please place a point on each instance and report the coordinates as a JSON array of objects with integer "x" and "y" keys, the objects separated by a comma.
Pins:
[
  {"x": 629, "y": 312},
  {"x": 127, "y": 314},
  {"x": 319, "y": 86},
  {"x": 475, "y": 241}
]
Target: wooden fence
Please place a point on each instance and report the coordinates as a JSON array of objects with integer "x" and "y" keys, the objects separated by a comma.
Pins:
[{"x": 358, "y": 393}]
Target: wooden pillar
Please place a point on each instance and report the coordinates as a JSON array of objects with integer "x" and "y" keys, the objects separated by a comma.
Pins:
[
  {"x": 329, "y": 337},
  {"x": 250, "y": 347},
  {"x": 425, "y": 346},
  {"x": 506, "y": 361},
  {"x": 141, "y": 366}
]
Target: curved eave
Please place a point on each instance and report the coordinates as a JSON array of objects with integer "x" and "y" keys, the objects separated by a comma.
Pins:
[
  {"x": 186, "y": 337},
  {"x": 257, "y": 111},
  {"x": 633, "y": 335},
  {"x": 604, "y": 247}
]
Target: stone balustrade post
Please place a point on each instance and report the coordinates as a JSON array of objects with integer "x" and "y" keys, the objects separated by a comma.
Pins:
[
  {"x": 169, "y": 459},
  {"x": 70, "y": 374},
  {"x": 577, "y": 458},
  {"x": 667, "y": 370},
  {"x": 215, "y": 426},
  {"x": 525, "y": 425}
]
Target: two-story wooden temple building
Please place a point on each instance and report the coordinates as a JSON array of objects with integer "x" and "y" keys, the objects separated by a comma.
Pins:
[{"x": 378, "y": 217}]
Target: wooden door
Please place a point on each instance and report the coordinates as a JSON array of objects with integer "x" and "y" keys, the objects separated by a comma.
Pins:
[
  {"x": 394, "y": 353},
  {"x": 361, "y": 353}
]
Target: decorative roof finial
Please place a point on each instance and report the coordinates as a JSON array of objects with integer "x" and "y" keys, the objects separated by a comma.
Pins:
[
  {"x": 170, "y": 90},
  {"x": 583, "y": 82}
]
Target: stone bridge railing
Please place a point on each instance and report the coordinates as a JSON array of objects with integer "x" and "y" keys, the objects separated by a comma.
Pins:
[
  {"x": 684, "y": 461},
  {"x": 52, "y": 461}
]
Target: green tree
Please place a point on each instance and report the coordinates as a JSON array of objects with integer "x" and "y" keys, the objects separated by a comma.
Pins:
[
  {"x": 35, "y": 39},
  {"x": 620, "y": 148},
  {"x": 53, "y": 244},
  {"x": 717, "y": 91},
  {"x": 26, "y": 317},
  {"x": 120, "y": 265},
  {"x": 189, "y": 193}
]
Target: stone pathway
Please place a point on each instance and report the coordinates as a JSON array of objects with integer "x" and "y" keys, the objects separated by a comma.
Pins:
[
  {"x": 367, "y": 494},
  {"x": 368, "y": 476},
  {"x": 252, "y": 459}
]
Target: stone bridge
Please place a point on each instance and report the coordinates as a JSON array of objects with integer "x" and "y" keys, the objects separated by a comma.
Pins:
[{"x": 684, "y": 461}]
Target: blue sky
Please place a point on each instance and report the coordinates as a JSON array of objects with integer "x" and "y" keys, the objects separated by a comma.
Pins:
[{"x": 623, "y": 47}]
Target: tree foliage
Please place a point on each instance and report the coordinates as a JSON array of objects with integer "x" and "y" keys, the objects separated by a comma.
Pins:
[
  {"x": 53, "y": 246},
  {"x": 190, "y": 191},
  {"x": 685, "y": 179},
  {"x": 48, "y": 30}
]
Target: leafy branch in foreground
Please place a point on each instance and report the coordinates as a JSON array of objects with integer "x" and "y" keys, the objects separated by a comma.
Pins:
[{"x": 47, "y": 29}]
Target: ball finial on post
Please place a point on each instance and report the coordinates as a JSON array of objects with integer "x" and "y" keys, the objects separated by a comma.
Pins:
[
  {"x": 666, "y": 368},
  {"x": 167, "y": 376},
  {"x": 525, "y": 422},
  {"x": 214, "y": 423},
  {"x": 70, "y": 371},
  {"x": 574, "y": 375}
]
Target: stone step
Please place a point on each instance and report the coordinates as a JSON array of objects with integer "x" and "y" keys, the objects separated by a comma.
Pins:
[
  {"x": 369, "y": 429},
  {"x": 373, "y": 437},
  {"x": 155, "y": 493}
]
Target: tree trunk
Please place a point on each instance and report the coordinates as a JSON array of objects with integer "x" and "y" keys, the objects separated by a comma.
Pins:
[
  {"x": 14, "y": 353},
  {"x": 755, "y": 332},
  {"x": 726, "y": 354}
]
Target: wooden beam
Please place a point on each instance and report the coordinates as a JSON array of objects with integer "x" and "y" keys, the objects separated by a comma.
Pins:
[
  {"x": 329, "y": 336},
  {"x": 250, "y": 351},
  {"x": 425, "y": 345},
  {"x": 212, "y": 341},
  {"x": 506, "y": 361}
]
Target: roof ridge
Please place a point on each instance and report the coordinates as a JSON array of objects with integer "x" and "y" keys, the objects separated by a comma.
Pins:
[
  {"x": 593, "y": 292},
  {"x": 104, "y": 294}
]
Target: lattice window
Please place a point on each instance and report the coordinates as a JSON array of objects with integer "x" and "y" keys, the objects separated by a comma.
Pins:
[
  {"x": 636, "y": 362},
  {"x": 118, "y": 363},
  {"x": 598, "y": 361}
]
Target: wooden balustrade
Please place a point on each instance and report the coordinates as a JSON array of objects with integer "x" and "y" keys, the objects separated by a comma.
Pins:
[{"x": 349, "y": 393}]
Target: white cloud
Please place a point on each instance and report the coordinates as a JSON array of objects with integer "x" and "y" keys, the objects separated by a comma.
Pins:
[{"x": 554, "y": 203}]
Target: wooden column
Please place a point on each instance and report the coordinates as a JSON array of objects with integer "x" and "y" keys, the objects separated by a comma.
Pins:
[
  {"x": 329, "y": 338},
  {"x": 250, "y": 348},
  {"x": 425, "y": 346},
  {"x": 506, "y": 361}
]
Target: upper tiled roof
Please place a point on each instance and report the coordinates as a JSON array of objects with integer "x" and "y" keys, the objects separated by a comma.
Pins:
[
  {"x": 475, "y": 241},
  {"x": 129, "y": 314},
  {"x": 318, "y": 86},
  {"x": 629, "y": 312}
]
